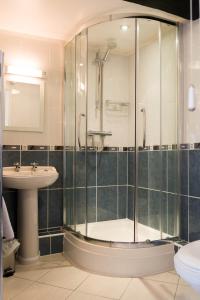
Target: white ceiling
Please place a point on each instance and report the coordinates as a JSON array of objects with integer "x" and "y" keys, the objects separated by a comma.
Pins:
[
  {"x": 59, "y": 19},
  {"x": 51, "y": 18}
]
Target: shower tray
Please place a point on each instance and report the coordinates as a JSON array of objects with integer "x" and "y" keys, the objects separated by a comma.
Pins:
[{"x": 111, "y": 259}]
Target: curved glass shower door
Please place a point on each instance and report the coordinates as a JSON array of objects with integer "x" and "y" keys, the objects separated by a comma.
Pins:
[
  {"x": 111, "y": 130},
  {"x": 148, "y": 134},
  {"x": 156, "y": 131},
  {"x": 121, "y": 165}
]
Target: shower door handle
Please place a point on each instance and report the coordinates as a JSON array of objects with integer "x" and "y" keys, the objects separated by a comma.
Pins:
[
  {"x": 144, "y": 127},
  {"x": 79, "y": 129}
]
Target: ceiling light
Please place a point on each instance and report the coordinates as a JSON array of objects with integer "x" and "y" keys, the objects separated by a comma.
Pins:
[{"x": 124, "y": 28}]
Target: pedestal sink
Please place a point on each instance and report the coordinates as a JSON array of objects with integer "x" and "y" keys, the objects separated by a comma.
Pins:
[{"x": 27, "y": 180}]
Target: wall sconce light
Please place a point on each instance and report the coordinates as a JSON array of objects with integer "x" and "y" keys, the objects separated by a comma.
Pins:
[
  {"x": 191, "y": 98},
  {"x": 25, "y": 71}
]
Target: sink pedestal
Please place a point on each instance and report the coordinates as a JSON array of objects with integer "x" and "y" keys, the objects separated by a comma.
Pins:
[
  {"x": 27, "y": 226},
  {"x": 27, "y": 181}
]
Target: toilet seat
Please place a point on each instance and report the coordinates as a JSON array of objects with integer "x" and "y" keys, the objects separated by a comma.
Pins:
[{"x": 187, "y": 264}]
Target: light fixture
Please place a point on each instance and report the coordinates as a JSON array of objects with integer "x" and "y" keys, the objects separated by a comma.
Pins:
[
  {"x": 191, "y": 98},
  {"x": 15, "y": 92},
  {"x": 81, "y": 64},
  {"x": 24, "y": 71},
  {"x": 124, "y": 28},
  {"x": 82, "y": 86}
]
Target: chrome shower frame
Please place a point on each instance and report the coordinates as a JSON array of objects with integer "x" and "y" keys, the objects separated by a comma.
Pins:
[{"x": 100, "y": 62}]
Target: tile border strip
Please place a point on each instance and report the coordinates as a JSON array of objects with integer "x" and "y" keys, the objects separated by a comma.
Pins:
[{"x": 184, "y": 146}]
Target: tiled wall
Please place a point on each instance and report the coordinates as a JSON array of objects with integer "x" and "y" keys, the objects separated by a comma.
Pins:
[
  {"x": 190, "y": 192},
  {"x": 50, "y": 200},
  {"x": 111, "y": 186},
  {"x": 107, "y": 180},
  {"x": 157, "y": 204}
]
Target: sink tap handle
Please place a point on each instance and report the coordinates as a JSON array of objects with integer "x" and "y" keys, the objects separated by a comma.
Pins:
[
  {"x": 34, "y": 165},
  {"x": 17, "y": 166}
]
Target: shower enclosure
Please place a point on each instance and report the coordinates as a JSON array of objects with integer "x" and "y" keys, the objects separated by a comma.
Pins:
[{"x": 121, "y": 166}]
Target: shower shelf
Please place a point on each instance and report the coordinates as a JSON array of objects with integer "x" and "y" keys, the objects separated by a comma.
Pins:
[
  {"x": 98, "y": 132},
  {"x": 117, "y": 106}
]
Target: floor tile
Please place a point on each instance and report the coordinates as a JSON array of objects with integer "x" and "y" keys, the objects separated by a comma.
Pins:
[
  {"x": 173, "y": 272},
  {"x": 109, "y": 287},
  {"x": 168, "y": 277},
  {"x": 43, "y": 292},
  {"x": 65, "y": 277},
  {"x": 30, "y": 275},
  {"x": 12, "y": 286},
  {"x": 141, "y": 289},
  {"x": 82, "y": 296},
  {"x": 183, "y": 282},
  {"x": 58, "y": 259},
  {"x": 186, "y": 293},
  {"x": 45, "y": 263}
]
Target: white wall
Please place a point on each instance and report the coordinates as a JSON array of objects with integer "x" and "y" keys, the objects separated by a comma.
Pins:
[
  {"x": 46, "y": 55},
  {"x": 157, "y": 90},
  {"x": 169, "y": 86},
  {"x": 119, "y": 88},
  {"x": 191, "y": 70},
  {"x": 148, "y": 93}
]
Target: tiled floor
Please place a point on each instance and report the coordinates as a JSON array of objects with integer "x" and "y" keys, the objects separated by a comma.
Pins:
[{"x": 55, "y": 279}]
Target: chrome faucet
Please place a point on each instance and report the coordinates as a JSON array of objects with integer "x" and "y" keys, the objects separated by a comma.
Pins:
[
  {"x": 34, "y": 166},
  {"x": 17, "y": 166}
]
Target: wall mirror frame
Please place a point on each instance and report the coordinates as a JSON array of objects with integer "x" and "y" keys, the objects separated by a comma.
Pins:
[{"x": 29, "y": 114}]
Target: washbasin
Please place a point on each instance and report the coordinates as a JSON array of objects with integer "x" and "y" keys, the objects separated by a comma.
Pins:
[{"x": 27, "y": 178}]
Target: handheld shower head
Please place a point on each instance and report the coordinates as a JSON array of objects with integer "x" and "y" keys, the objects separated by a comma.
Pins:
[
  {"x": 111, "y": 45},
  {"x": 106, "y": 55}
]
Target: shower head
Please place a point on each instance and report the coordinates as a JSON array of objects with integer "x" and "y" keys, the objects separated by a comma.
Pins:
[
  {"x": 106, "y": 55},
  {"x": 111, "y": 45}
]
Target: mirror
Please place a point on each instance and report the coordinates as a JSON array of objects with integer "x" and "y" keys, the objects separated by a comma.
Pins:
[{"x": 24, "y": 103}]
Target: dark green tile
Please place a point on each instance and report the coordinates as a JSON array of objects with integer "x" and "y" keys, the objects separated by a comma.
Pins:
[
  {"x": 142, "y": 206},
  {"x": 122, "y": 168},
  {"x": 56, "y": 244},
  {"x": 106, "y": 203},
  {"x": 44, "y": 246},
  {"x": 106, "y": 168},
  {"x": 143, "y": 169},
  {"x": 122, "y": 201}
]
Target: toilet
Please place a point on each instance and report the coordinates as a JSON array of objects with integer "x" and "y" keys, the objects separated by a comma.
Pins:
[{"x": 187, "y": 264}]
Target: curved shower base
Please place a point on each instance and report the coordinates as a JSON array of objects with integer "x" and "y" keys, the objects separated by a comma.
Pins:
[{"x": 118, "y": 259}]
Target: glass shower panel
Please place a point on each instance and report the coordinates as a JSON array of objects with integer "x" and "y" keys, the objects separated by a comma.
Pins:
[
  {"x": 148, "y": 131},
  {"x": 69, "y": 136},
  {"x": 1, "y": 130},
  {"x": 81, "y": 133},
  {"x": 111, "y": 129},
  {"x": 169, "y": 84}
]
